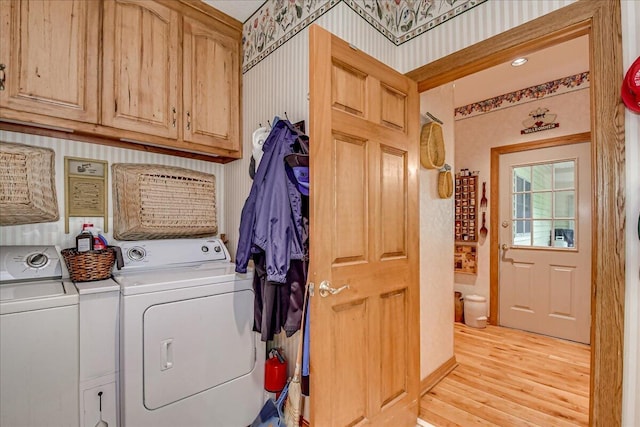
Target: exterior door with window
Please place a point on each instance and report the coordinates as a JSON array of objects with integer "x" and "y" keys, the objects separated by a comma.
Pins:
[{"x": 545, "y": 241}]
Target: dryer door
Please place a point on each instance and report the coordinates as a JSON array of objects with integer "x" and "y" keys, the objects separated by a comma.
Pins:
[{"x": 194, "y": 345}]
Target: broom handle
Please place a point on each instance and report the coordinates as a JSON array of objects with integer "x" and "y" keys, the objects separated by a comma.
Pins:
[{"x": 296, "y": 373}]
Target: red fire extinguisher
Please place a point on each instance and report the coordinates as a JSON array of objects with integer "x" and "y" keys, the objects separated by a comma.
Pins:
[{"x": 275, "y": 372}]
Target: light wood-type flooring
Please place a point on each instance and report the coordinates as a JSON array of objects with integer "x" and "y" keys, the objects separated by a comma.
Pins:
[{"x": 507, "y": 377}]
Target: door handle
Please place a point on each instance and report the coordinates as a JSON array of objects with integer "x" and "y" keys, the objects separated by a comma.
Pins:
[
  {"x": 166, "y": 354},
  {"x": 325, "y": 289},
  {"x": 505, "y": 247}
]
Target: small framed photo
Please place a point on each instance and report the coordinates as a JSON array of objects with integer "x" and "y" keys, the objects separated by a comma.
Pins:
[{"x": 465, "y": 259}]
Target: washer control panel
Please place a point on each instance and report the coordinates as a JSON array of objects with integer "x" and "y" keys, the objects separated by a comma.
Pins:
[
  {"x": 29, "y": 262},
  {"x": 164, "y": 253}
]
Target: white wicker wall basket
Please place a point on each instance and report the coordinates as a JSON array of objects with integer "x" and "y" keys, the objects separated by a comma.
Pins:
[
  {"x": 27, "y": 185},
  {"x": 162, "y": 202}
]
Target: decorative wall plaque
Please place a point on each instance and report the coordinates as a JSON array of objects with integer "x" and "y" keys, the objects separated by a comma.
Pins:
[{"x": 85, "y": 189}]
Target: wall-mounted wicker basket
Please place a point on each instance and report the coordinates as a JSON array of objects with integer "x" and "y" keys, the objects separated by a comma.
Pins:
[
  {"x": 27, "y": 185},
  {"x": 432, "y": 152},
  {"x": 162, "y": 202}
]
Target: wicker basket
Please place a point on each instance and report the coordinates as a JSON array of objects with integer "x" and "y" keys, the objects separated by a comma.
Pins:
[
  {"x": 27, "y": 185},
  {"x": 162, "y": 202},
  {"x": 432, "y": 146},
  {"x": 445, "y": 184},
  {"x": 90, "y": 265}
]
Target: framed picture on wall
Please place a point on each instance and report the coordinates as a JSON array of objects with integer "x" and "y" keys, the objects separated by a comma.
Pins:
[{"x": 465, "y": 259}]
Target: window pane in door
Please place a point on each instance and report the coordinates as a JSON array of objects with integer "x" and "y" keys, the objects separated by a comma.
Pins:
[
  {"x": 564, "y": 175},
  {"x": 564, "y": 233},
  {"x": 521, "y": 179},
  {"x": 521, "y": 233},
  {"x": 522, "y": 205},
  {"x": 564, "y": 204},
  {"x": 542, "y": 177},
  {"x": 542, "y": 205},
  {"x": 542, "y": 233}
]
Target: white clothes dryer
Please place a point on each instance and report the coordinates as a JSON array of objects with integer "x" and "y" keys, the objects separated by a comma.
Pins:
[
  {"x": 38, "y": 339},
  {"x": 188, "y": 355}
]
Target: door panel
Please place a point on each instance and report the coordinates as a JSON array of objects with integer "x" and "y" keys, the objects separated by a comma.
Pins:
[
  {"x": 545, "y": 213},
  {"x": 363, "y": 212},
  {"x": 351, "y": 219},
  {"x": 394, "y": 108},
  {"x": 351, "y": 365},
  {"x": 393, "y": 204},
  {"x": 348, "y": 89},
  {"x": 393, "y": 324}
]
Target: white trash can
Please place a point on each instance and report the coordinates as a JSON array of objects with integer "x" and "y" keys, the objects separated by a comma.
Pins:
[{"x": 475, "y": 311}]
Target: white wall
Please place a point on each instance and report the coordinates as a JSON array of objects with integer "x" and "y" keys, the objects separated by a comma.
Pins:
[
  {"x": 483, "y": 21},
  {"x": 52, "y": 233},
  {"x": 476, "y": 135},
  {"x": 436, "y": 244}
]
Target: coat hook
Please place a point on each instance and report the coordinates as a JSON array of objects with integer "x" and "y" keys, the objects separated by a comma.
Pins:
[
  {"x": 431, "y": 118},
  {"x": 287, "y": 117},
  {"x": 269, "y": 124}
]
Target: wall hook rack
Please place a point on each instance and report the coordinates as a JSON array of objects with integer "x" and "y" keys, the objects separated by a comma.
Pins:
[
  {"x": 445, "y": 168},
  {"x": 428, "y": 117}
]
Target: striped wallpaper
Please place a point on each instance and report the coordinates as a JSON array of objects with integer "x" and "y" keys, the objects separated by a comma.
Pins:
[{"x": 52, "y": 233}]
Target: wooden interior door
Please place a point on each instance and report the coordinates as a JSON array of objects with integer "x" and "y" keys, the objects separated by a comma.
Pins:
[
  {"x": 50, "y": 50},
  {"x": 211, "y": 70},
  {"x": 364, "y": 225},
  {"x": 545, "y": 235},
  {"x": 140, "y": 67}
]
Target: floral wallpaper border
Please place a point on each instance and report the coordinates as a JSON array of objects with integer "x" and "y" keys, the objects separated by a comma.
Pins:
[
  {"x": 554, "y": 87},
  {"x": 277, "y": 21},
  {"x": 403, "y": 20}
]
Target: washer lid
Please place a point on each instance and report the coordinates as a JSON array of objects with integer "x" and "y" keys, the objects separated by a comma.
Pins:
[{"x": 37, "y": 295}]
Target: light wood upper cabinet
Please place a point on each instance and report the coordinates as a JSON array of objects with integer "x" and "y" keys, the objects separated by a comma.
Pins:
[
  {"x": 140, "y": 67},
  {"x": 50, "y": 51},
  {"x": 211, "y": 91},
  {"x": 154, "y": 75}
]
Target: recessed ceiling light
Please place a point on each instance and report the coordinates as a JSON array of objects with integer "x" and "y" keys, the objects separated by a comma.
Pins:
[{"x": 519, "y": 61}]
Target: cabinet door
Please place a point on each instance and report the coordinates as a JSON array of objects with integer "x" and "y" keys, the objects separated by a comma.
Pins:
[
  {"x": 140, "y": 67},
  {"x": 211, "y": 70},
  {"x": 50, "y": 50}
]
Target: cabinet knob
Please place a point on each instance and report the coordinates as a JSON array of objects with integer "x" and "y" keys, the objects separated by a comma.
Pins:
[
  {"x": 188, "y": 120},
  {"x": 173, "y": 110}
]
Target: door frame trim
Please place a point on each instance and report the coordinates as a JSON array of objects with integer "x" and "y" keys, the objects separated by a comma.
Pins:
[
  {"x": 494, "y": 205},
  {"x": 601, "y": 20}
]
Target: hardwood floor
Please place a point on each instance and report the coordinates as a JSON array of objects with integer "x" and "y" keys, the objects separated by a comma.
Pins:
[{"x": 507, "y": 377}]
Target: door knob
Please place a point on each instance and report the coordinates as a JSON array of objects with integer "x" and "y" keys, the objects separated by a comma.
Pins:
[
  {"x": 505, "y": 247},
  {"x": 325, "y": 289}
]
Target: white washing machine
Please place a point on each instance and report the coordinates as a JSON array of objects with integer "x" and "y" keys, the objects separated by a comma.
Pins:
[
  {"x": 188, "y": 355},
  {"x": 38, "y": 339}
]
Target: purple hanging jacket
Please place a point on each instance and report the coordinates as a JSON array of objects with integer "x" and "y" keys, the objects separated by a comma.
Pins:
[{"x": 271, "y": 218}]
